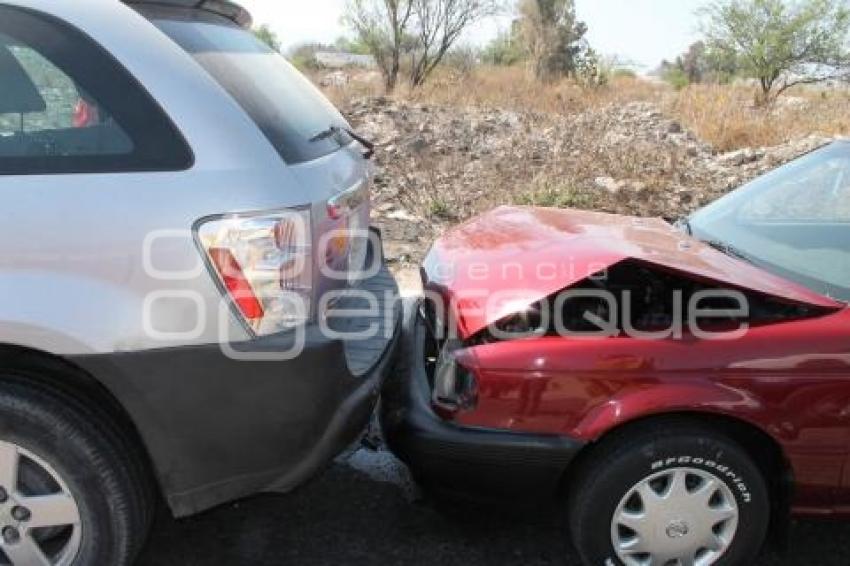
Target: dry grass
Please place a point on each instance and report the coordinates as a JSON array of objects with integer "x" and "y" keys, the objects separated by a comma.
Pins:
[
  {"x": 511, "y": 88},
  {"x": 514, "y": 88},
  {"x": 724, "y": 116}
]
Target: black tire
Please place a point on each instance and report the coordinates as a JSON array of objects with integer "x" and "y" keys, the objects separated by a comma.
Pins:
[
  {"x": 99, "y": 470},
  {"x": 615, "y": 467}
]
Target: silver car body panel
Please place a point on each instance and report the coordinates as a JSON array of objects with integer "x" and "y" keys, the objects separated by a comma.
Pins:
[{"x": 73, "y": 256}]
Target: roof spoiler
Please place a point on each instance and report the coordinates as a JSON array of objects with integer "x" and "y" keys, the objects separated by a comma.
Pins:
[{"x": 226, "y": 8}]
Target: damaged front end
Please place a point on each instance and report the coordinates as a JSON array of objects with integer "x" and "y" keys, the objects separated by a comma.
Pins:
[
  {"x": 453, "y": 386},
  {"x": 570, "y": 277},
  {"x": 541, "y": 330},
  {"x": 418, "y": 410},
  {"x": 633, "y": 299}
]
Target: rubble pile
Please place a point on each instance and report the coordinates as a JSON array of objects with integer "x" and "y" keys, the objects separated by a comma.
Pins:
[{"x": 441, "y": 165}]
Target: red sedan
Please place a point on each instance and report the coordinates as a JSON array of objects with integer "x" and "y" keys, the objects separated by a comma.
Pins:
[{"x": 685, "y": 388}]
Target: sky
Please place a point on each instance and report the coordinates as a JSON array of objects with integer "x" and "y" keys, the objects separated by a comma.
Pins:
[{"x": 642, "y": 31}]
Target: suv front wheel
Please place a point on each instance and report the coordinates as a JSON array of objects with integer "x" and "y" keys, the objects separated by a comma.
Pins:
[{"x": 68, "y": 495}]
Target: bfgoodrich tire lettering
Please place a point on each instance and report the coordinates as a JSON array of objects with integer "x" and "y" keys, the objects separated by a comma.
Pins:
[
  {"x": 49, "y": 428},
  {"x": 696, "y": 455}
]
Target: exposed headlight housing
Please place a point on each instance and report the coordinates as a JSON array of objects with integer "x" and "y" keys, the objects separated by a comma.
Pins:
[
  {"x": 455, "y": 387},
  {"x": 264, "y": 266}
]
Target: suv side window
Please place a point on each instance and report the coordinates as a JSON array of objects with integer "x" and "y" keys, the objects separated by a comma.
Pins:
[{"x": 66, "y": 106}]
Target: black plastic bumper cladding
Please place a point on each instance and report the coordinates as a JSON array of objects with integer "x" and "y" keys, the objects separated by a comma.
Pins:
[
  {"x": 468, "y": 460},
  {"x": 218, "y": 429}
]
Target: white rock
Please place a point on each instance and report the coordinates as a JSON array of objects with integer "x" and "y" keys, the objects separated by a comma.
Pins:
[
  {"x": 402, "y": 214},
  {"x": 609, "y": 184}
]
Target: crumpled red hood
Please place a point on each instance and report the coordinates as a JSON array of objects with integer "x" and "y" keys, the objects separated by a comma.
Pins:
[{"x": 505, "y": 260}]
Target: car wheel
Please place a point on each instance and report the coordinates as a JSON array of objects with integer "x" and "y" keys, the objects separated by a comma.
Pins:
[
  {"x": 66, "y": 491},
  {"x": 675, "y": 497}
]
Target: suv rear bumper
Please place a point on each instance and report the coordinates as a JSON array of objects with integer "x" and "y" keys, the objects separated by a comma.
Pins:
[
  {"x": 218, "y": 429},
  {"x": 466, "y": 460}
]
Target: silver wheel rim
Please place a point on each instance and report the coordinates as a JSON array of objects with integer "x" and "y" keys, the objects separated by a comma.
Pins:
[
  {"x": 25, "y": 517},
  {"x": 678, "y": 517}
]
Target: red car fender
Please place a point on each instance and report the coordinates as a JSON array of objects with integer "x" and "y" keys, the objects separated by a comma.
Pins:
[{"x": 664, "y": 399}]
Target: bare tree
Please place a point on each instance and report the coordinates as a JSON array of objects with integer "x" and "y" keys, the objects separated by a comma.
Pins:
[
  {"x": 383, "y": 27},
  {"x": 426, "y": 30},
  {"x": 440, "y": 23}
]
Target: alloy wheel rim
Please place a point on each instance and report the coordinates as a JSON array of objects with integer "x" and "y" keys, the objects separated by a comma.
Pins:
[
  {"x": 25, "y": 517},
  {"x": 678, "y": 517}
]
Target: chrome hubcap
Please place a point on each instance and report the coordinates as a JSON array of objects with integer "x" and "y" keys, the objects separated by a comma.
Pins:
[
  {"x": 678, "y": 517},
  {"x": 39, "y": 519}
]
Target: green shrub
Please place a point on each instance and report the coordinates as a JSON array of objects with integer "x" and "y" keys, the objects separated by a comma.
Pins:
[
  {"x": 505, "y": 50},
  {"x": 623, "y": 73},
  {"x": 557, "y": 197},
  {"x": 440, "y": 208},
  {"x": 677, "y": 78}
]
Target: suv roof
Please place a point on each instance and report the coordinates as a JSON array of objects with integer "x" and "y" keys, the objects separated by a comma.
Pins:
[{"x": 225, "y": 8}]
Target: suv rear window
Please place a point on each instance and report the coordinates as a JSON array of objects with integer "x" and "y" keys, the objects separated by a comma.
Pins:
[
  {"x": 43, "y": 112},
  {"x": 66, "y": 106},
  {"x": 288, "y": 109}
]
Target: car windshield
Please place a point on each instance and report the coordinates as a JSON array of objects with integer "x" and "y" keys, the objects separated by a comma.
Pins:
[
  {"x": 282, "y": 102},
  {"x": 794, "y": 221}
]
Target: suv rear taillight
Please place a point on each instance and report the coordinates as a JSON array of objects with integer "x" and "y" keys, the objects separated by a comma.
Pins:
[{"x": 264, "y": 265}]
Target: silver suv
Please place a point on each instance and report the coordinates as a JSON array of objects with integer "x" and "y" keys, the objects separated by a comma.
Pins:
[{"x": 193, "y": 305}]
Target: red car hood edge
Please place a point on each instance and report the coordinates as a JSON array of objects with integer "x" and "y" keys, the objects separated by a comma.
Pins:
[{"x": 505, "y": 260}]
